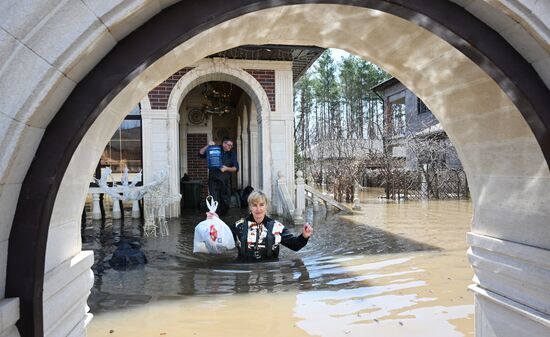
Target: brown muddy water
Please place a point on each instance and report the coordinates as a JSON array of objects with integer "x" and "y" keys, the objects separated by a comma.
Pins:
[{"x": 392, "y": 269}]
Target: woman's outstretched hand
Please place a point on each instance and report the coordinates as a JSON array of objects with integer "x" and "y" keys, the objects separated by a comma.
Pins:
[
  {"x": 307, "y": 231},
  {"x": 211, "y": 215}
]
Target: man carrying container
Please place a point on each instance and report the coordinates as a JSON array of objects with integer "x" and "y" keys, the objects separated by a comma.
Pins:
[{"x": 222, "y": 162}]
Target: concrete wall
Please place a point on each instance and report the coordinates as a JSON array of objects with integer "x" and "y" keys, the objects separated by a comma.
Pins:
[{"x": 49, "y": 46}]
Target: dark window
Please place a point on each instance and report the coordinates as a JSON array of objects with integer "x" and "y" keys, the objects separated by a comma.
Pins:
[
  {"x": 124, "y": 149},
  {"x": 421, "y": 107},
  {"x": 399, "y": 121}
]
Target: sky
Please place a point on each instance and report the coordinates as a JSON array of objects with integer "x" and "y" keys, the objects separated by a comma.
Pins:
[{"x": 338, "y": 54}]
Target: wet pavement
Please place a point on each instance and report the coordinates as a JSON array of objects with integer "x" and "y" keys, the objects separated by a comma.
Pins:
[{"x": 393, "y": 269}]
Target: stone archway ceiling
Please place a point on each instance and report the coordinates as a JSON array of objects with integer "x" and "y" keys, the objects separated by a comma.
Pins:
[
  {"x": 168, "y": 29},
  {"x": 302, "y": 57}
]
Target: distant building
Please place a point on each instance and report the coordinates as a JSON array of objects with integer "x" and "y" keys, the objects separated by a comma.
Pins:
[{"x": 412, "y": 131}]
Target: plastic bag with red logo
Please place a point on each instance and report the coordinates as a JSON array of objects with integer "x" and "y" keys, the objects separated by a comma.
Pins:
[{"x": 212, "y": 236}]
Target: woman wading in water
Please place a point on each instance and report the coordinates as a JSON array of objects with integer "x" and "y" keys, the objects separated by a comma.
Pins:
[{"x": 258, "y": 237}]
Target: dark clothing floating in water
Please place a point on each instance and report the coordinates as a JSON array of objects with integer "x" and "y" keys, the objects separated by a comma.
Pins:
[{"x": 127, "y": 254}]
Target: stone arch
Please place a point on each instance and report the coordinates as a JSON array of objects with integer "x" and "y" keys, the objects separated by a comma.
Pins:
[
  {"x": 145, "y": 103},
  {"x": 217, "y": 70},
  {"x": 516, "y": 79}
]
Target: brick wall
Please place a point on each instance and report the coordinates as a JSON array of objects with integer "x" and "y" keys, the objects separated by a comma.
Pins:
[
  {"x": 267, "y": 80},
  {"x": 196, "y": 166},
  {"x": 159, "y": 96}
]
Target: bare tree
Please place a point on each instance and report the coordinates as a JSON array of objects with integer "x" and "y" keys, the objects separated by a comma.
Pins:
[{"x": 333, "y": 144}]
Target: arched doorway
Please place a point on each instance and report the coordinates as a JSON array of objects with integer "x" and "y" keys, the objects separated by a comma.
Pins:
[{"x": 259, "y": 121}]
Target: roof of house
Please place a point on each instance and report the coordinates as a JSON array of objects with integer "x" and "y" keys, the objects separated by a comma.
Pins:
[{"x": 386, "y": 84}]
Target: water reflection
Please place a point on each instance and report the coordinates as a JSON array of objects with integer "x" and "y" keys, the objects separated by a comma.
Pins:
[{"x": 387, "y": 271}]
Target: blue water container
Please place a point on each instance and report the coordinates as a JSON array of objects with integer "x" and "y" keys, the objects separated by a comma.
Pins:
[{"x": 214, "y": 156}]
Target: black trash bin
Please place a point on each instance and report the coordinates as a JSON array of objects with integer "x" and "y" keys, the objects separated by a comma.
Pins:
[{"x": 191, "y": 194}]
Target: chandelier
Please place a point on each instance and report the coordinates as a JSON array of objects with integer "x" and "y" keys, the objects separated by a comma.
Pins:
[{"x": 217, "y": 97}]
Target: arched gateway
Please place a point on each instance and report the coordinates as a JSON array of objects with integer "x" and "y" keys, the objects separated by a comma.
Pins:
[
  {"x": 490, "y": 97},
  {"x": 222, "y": 71}
]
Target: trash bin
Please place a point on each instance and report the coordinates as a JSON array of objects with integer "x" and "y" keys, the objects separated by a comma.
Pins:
[{"x": 191, "y": 192}]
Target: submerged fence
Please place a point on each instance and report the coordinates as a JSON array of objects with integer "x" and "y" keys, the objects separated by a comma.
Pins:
[{"x": 433, "y": 184}]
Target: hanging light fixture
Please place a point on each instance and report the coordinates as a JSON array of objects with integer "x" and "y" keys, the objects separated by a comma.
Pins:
[{"x": 217, "y": 97}]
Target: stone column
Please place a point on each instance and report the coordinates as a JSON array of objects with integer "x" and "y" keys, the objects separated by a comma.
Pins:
[
  {"x": 255, "y": 159},
  {"x": 117, "y": 212},
  {"x": 96, "y": 208},
  {"x": 173, "y": 120},
  {"x": 245, "y": 165},
  {"x": 161, "y": 150},
  {"x": 300, "y": 198},
  {"x": 279, "y": 204},
  {"x": 315, "y": 204},
  {"x": 239, "y": 149},
  {"x": 510, "y": 287},
  {"x": 135, "y": 209}
]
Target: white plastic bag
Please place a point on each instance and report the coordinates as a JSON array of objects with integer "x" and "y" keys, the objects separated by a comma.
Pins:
[{"x": 212, "y": 236}]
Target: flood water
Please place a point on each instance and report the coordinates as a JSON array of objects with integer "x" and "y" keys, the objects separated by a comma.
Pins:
[{"x": 392, "y": 269}]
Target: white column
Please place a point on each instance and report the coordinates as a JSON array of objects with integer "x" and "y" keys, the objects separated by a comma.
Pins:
[
  {"x": 147, "y": 144},
  {"x": 284, "y": 108},
  {"x": 315, "y": 204},
  {"x": 117, "y": 212},
  {"x": 239, "y": 149},
  {"x": 66, "y": 289},
  {"x": 277, "y": 194},
  {"x": 96, "y": 208},
  {"x": 267, "y": 172},
  {"x": 245, "y": 165},
  {"x": 254, "y": 150},
  {"x": 135, "y": 209},
  {"x": 282, "y": 129},
  {"x": 161, "y": 150},
  {"x": 183, "y": 146},
  {"x": 510, "y": 287},
  {"x": 300, "y": 198},
  {"x": 173, "y": 160}
]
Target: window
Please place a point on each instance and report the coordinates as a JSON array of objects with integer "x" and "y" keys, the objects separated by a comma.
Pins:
[
  {"x": 399, "y": 115},
  {"x": 421, "y": 107},
  {"x": 124, "y": 149}
]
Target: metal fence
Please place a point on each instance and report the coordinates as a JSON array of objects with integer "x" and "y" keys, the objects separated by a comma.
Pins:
[{"x": 433, "y": 184}]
